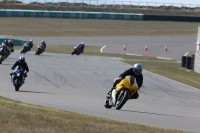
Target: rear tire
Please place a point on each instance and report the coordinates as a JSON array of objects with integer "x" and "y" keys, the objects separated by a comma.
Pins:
[
  {"x": 106, "y": 103},
  {"x": 0, "y": 60}
]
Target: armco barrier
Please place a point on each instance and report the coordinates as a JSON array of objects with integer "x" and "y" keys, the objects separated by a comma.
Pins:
[
  {"x": 69, "y": 14},
  {"x": 15, "y": 41},
  {"x": 172, "y": 18}
]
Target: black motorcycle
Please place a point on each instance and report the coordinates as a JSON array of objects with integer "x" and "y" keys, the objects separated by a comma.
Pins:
[
  {"x": 17, "y": 78},
  {"x": 77, "y": 50},
  {"x": 24, "y": 50}
]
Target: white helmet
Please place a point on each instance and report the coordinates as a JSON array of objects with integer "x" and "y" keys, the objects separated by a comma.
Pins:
[
  {"x": 3, "y": 44},
  {"x": 9, "y": 41},
  {"x": 82, "y": 43}
]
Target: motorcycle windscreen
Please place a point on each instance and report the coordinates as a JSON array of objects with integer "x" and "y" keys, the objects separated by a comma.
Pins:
[{"x": 128, "y": 82}]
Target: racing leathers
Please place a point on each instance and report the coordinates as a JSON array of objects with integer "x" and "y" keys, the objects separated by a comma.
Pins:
[{"x": 23, "y": 65}]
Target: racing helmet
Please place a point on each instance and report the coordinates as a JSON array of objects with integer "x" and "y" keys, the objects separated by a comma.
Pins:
[
  {"x": 9, "y": 41},
  {"x": 137, "y": 68},
  {"x": 22, "y": 59},
  {"x": 6, "y": 41},
  {"x": 82, "y": 43},
  {"x": 43, "y": 42},
  {"x": 3, "y": 44},
  {"x": 31, "y": 41}
]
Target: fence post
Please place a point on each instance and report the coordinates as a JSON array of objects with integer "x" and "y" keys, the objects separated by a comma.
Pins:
[
  {"x": 138, "y": 4},
  {"x": 147, "y": 6},
  {"x": 172, "y": 6},
  {"x": 130, "y": 5},
  {"x": 121, "y": 4},
  {"x": 155, "y": 5},
  {"x": 164, "y": 6}
]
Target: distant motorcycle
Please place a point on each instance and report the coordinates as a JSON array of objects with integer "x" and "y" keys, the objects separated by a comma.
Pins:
[
  {"x": 125, "y": 89},
  {"x": 2, "y": 55},
  {"x": 24, "y": 49},
  {"x": 77, "y": 50},
  {"x": 40, "y": 50},
  {"x": 17, "y": 77}
]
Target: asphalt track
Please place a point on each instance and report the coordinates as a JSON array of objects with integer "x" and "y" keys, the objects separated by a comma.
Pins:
[
  {"x": 80, "y": 83},
  {"x": 177, "y": 45}
]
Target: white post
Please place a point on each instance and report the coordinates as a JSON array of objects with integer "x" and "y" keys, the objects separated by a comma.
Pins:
[{"x": 198, "y": 39}]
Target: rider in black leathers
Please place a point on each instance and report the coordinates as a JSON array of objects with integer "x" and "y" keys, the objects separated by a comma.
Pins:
[
  {"x": 135, "y": 71},
  {"x": 21, "y": 62}
]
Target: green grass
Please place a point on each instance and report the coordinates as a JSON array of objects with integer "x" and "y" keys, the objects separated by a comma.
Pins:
[
  {"x": 17, "y": 117},
  {"x": 93, "y": 27}
]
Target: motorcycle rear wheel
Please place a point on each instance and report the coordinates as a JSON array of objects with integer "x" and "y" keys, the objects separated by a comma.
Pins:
[{"x": 106, "y": 103}]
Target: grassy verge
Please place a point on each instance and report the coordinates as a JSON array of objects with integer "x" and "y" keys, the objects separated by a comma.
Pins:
[{"x": 17, "y": 117}]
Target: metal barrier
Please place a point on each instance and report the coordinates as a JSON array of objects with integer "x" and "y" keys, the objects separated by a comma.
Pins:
[
  {"x": 16, "y": 42},
  {"x": 69, "y": 14}
]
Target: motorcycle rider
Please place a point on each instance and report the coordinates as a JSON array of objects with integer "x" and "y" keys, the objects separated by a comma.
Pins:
[
  {"x": 82, "y": 46},
  {"x": 135, "y": 71},
  {"x": 6, "y": 42},
  {"x": 21, "y": 62},
  {"x": 5, "y": 49},
  {"x": 30, "y": 44},
  {"x": 11, "y": 45},
  {"x": 44, "y": 44}
]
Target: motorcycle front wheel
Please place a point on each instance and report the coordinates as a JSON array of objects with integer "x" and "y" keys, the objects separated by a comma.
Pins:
[
  {"x": 121, "y": 99},
  {"x": 17, "y": 84}
]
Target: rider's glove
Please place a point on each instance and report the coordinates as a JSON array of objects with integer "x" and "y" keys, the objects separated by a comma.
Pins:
[
  {"x": 11, "y": 72},
  {"x": 25, "y": 74}
]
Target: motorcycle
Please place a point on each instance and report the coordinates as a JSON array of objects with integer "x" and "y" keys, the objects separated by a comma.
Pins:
[
  {"x": 77, "y": 50},
  {"x": 39, "y": 50},
  {"x": 125, "y": 89},
  {"x": 24, "y": 49},
  {"x": 17, "y": 77},
  {"x": 2, "y": 54}
]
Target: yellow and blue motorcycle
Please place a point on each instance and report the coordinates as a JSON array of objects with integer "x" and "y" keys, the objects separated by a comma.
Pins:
[{"x": 122, "y": 92}]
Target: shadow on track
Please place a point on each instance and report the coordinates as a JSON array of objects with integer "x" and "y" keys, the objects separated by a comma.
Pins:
[
  {"x": 34, "y": 92},
  {"x": 150, "y": 113}
]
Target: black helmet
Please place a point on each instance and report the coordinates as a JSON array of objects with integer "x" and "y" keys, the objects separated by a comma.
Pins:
[
  {"x": 22, "y": 59},
  {"x": 137, "y": 68}
]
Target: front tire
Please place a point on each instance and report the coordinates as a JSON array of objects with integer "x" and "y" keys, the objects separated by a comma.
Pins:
[
  {"x": 74, "y": 52},
  {"x": 17, "y": 84},
  {"x": 121, "y": 99}
]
